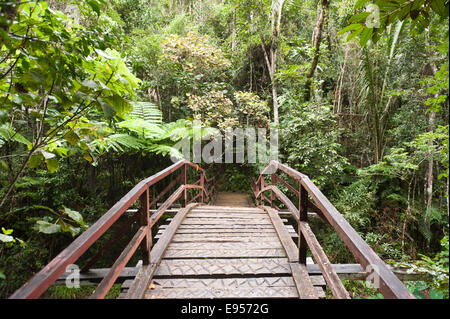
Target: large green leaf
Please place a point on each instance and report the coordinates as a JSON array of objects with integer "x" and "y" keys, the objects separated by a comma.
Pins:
[
  {"x": 45, "y": 227},
  {"x": 52, "y": 164},
  {"x": 76, "y": 216}
]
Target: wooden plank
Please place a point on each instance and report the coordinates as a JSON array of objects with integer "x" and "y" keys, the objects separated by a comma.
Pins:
[
  {"x": 114, "y": 272},
  {"x": 225, "y": 246},
  {"x": 303, "y": 283},
  {"x": 223, "y": 221},
  {"x": 223, "y": 226},
  {"x": 227, "y": 209},
  {"x": 226, "y": 233},
  {"x": 224, "y": 253},
  {"x": 356, "y": 272},
  {"x": 137, "y": 290},
  {"x": 299, "y": 273},
  {"x": 344, "y": 271},
  {"x": 283, "y": 235},
  {"x": 221, "y": 283},
  {"x": 229, "y": 267},
  {"x": 226, "y": 215},
  {"x": 186, "y": 238},
  {"x": 222, "y": 239},
  {"x": 335, "y": 284},
  {"x": 320, "y": 293},
  {"x": 214, "y": 293}
]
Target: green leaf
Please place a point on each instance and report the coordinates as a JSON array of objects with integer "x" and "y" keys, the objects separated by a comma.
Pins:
[
  {"x": 438, "y": 6},
  {"x": 436, "y": 294},
  {"x": 52, "y": 164},
  {"x": 365, "y": 36},
  {"x": 360, "y": 3},
  {"x": 88, "y": 157},
  {"x": 354, "y": 26},
  {"x": 45, "y": 227},
  {"x": 44, "y": 207},
  {"x": 6, "y": 238},
  {"x": 35, "y": 160},
  {"x": 72, "y": 138},
  {"x": 353, "y": 34},
  {"x": 107, "y": 108},
  {"x": 7, "y": 231},
  {"x": 360, "y": 17},
  {"x": 95, "y": 5},
  {"x": 76, "y": 216}
]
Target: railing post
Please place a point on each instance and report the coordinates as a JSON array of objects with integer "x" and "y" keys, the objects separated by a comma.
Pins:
[
  {"x": 261, "y": 187},
  {"x": 272, "y": 195},
  {"x": 202, "y": 185},
  {"x": 257, "y": 191},
  {"x": 184, "y": 182},
  {"x": 145, "y": 221},
  {"x": 303, "y": 212}
]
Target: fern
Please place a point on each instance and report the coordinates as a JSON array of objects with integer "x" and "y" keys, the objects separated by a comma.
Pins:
[
  {"x": 142, "y": 128},
  {"x": 146, "y": 111},
  {"x": 117, "y": 143}
]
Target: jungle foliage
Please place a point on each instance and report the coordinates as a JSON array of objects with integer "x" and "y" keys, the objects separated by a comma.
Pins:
[{"x": 95, "y": 93}]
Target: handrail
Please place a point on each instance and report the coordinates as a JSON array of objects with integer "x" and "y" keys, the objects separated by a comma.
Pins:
[
  {"x": 389, "y": 285},
  {"x": 41, "y": 281}
]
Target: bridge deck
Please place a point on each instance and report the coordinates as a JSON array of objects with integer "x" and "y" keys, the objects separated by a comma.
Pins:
[{"x": 232, "y": 252}]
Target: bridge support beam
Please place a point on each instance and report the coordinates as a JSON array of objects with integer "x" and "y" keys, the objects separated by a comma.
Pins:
[
  {"x": 145, "y": 221},
  {"x": 303, "y": 212}
]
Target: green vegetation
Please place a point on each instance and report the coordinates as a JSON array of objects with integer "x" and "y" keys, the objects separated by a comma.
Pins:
[{"x": 94, "y": 94}]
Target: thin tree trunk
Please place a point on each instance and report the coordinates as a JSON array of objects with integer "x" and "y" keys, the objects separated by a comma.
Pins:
[
  {"x": 316, "y": 44},
  {"x": 18, "y": 175}
]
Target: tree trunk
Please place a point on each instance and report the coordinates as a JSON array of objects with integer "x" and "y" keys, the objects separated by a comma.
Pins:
[{"x": 316, "y": 43}]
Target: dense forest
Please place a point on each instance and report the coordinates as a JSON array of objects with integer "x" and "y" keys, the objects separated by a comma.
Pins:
[{"x": 96, "y": 93}]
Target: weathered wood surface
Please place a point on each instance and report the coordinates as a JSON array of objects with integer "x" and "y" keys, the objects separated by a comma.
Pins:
[
  {"x": 140, "y": 284},
  {"x": 233, "y": 199},
  {"x": 300, "y": 275},
  {"x": 334, "y": 282},
  {"x": 390, "y": 285},
  {"x": 254, "y": 266},
  {"x": 226, "y": 252},
  {"x": 344, "y": 271}
]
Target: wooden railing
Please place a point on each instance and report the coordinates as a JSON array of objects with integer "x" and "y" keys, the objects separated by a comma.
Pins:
[
  {"x": 37, "y": 285},
  {"x": 311, "y": 198}
]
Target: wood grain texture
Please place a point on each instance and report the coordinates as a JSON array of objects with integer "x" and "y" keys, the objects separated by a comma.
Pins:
[
  {"x": 300, "y": 275},
  {"x": 139, "y": 286}
]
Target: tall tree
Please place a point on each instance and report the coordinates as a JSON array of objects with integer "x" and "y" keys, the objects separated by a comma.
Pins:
[{"x": 316, "y": 43}]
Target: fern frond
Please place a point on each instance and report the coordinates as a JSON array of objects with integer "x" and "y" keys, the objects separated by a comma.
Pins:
[
  {"x": 164, "y": 149},
  {"x": 146, "y": 111},
  {"x": 117, "y": 143},
  {"x": 143, "y": 128}
]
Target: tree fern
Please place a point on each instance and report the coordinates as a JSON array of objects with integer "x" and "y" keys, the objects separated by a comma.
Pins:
[
  {"x": 146, "y": 111},
  {"x": 118, "y": 143}
]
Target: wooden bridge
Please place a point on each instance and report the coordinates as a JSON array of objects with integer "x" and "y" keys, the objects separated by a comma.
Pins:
[{"x": 231, "y": 248}]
